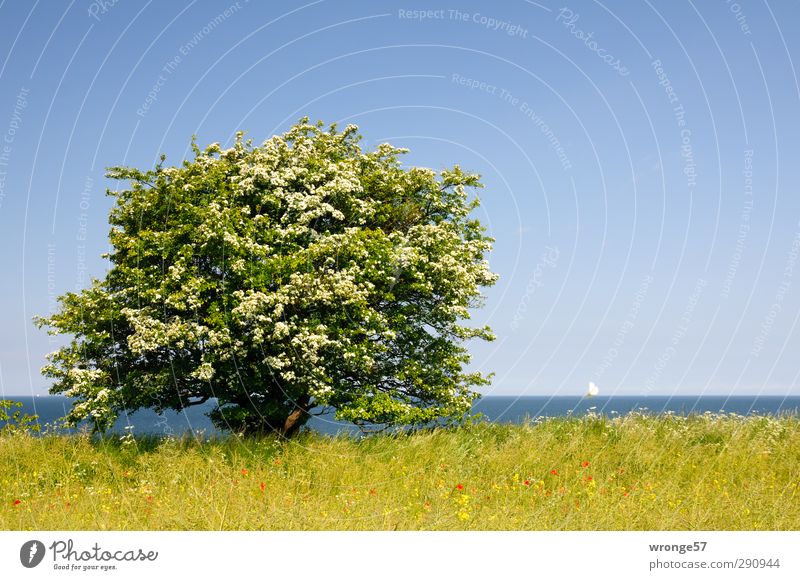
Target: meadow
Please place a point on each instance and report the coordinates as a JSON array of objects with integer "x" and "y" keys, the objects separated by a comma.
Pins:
[{"x": 633, "y": 472}]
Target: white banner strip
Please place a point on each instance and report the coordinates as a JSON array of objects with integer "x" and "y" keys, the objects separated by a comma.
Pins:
[{"x": 388, "y": 555}]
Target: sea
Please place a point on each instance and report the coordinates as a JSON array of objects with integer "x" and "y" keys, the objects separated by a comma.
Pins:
[{"x": 499, "y": 409}]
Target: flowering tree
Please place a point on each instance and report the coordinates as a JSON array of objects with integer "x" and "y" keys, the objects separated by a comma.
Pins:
[{"x": 303, "y": 273}]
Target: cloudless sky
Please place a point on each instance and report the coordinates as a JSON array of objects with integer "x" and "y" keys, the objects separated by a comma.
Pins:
[{"x": 640, "y": 161}]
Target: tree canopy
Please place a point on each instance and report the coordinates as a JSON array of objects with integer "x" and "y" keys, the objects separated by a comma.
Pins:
[{"x": 302, "y": 273}]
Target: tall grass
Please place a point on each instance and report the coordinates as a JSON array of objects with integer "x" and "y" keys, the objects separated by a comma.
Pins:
[{"x": 638, "y": 472}]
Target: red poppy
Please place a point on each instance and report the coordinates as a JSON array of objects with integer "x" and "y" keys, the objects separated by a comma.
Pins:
[
  {"x": 553, "y": 472},
  {"x": 245, "y": 472},
  {"x": 17, "y": 502},
  {"x": 373, "y": 492},
  {"x": 459, "y": 487},
  {"x": 589, "y": 478},
  {"x": 150, "y": 498},
  {"x": 585, "y": 464},
  {"x": 263, "y": 486},
  {"x": 427, "y": 505},
  {"x": 526, "y": 482},
  {"x": 277, "y": 461}
]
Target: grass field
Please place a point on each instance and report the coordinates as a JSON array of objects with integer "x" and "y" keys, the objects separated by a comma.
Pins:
[{"x": 707, "y": 472}]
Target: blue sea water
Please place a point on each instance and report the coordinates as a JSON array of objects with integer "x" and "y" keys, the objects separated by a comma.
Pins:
[{"x": 495, "y": 408}]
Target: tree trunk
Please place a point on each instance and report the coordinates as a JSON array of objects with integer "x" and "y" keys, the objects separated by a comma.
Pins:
[{"x": 296, "y": 418}]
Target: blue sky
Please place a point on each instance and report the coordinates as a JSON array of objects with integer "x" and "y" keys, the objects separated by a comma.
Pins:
[{"x": 640, "y": 161}]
